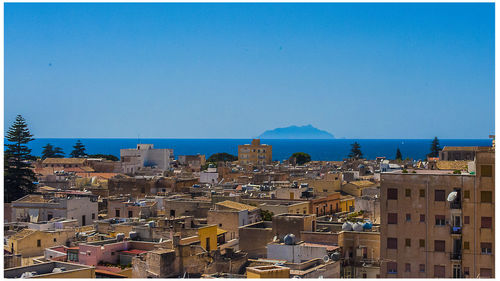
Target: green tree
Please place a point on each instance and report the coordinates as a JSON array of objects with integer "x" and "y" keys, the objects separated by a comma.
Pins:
[
  {"x": 355, "y": 151},
  {"x": 18, "y": 176},
  {"x": 48, "y": 151},
  {"x": 52, "y": 152},
  {"x": 222, "y": 157},
  {"x": 266, "y": 215},
  {"x": 78, "y": 150},
  {"x": 301, "y": 157},
  {"x": 105, "y": 156},
  {"x": 399, "y": 156},
  {"x": 58, "y": 152},
  {"x": 435, "y": 148}
]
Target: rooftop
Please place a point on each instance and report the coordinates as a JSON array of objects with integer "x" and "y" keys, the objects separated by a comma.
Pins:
[
  {"x": 236, "y": 205},
  {"x": 64, "y": 161}
]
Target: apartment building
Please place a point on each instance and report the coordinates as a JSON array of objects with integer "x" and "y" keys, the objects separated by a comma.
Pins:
[
  {"x": 435, "y": 223},
  {"x": 145, "y": 156},
  {"x": 255, "y": 153}
]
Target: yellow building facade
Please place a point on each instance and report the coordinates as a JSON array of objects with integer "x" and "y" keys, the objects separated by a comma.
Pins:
[{"x": 255, "y": 153}]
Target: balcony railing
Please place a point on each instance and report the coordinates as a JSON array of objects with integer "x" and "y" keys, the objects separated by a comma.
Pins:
[
  {"x": 455, "y": 256},
  {"x": 456, "y": 230},
  {"x": 456, "y": 205}
]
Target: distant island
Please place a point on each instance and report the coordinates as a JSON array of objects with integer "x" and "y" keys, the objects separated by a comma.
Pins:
[{"x": 296, "y": 132}]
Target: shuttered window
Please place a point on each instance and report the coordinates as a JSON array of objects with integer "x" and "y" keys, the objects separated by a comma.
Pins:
[
  {"x": 439, "y": 195},
  {"x": 421, "y": 243},
  {"x": 466, "y": 219},
  {"x": 485, "y": 222},
  {"x": 392, "y": 194},
  {"x": 486, "y": 171},
  {"x": 439, "y": 271},
  {"x": 392, "y": 218},
  {"x": 392, "y": 243},
  {"x": 486, "y": 197},
  {"x": 439, "y": 245},
  {"x": 485, "y": 273}
]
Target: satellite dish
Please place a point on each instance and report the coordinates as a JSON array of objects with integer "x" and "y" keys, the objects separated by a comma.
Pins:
[
  {"x": 452, "y": 196},
  {"x": 275, "y": 238},
  {"x": 326, "y": 258}
]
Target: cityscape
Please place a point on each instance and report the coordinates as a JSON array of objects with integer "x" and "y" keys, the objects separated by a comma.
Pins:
[{"x": 163, "y": 161}]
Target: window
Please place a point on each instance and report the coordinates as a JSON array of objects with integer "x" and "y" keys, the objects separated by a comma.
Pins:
[
  {"x": 392, "y": 218},
  {"x": 392, "y": 194},
  {"x": 408, "y": 217},
  {"x": 439, "y": 245},
  {"x": 485, "y": 273},
  {"x": 408, "y": 242},
  {"x": 467, "y": 194},
  {"x": 422, "y": 218},
  {"x": 439, "y": 195},
  {"x": 466, "y": 245},
  {"x": 422, "y": 192},
  {"x": 466, "y": 271},
  {"x": 39, "y": 243},
  {"x": 407, "y": 267},
  {"x": 466, "y": 219},
  {"x": 408, "y": 192},
  {"x": 422, "y": 268},
  {"x": 485, "y": 222},
  {"x": 93, "y": 216},
  {"x": 485, "y": 248},
  {"x": 392, "y": 243},
  {"x": 486, "y": 171},
  {"x": 143, "y": 190},
  {"x": 55, "y": 240},
  {"x": 486, "y": 197},
  {"x": 421, "y": 243},
  {"x": 440, "y": 220},
  {"x": 392, "y": 268},
  {"x": 117, "y": 213},
  {"x": 439, "y": 271}
]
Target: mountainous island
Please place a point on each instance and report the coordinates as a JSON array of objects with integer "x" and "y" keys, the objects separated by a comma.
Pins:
[{"x": 296, "y": 132}]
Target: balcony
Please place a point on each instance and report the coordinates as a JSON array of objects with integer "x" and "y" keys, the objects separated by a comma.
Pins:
[
  {"x": 455, "y": 230},
  {"x": 455, "y": 256},
  {"x": 456, "y": 205}
]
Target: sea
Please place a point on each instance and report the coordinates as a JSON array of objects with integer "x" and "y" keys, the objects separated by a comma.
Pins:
[{"x": 320, "y": 150}]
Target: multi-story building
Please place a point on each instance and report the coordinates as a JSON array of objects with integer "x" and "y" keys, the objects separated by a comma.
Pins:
[
  {"x": 145, "y": 156},
  {"x": 436, "y": 223},
  {"x": 38, "y": 208},
  {"x": 255, "y": 153}
]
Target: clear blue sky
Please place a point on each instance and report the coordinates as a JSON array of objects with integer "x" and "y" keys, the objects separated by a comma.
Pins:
[{"x": 236, "y": 70}]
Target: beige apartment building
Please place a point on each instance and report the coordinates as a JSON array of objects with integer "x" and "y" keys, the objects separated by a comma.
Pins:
[
  {"x": 438, "y": 224},
  {"x": 255, "y": 153}
]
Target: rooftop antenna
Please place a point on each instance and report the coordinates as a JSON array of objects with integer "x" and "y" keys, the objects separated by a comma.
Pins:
[{"x": 138, "y": 139}]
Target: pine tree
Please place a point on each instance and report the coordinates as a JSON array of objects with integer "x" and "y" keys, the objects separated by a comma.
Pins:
[
  {"x": 79, "y": 150},
  {"x": 48, "y": 151},
  {"x": 435, "y": 148},
  {"x": 399, "y": 156},
  {"x": 58, "y": 152},
  {"x": 19, "y": 177},
  {"x": 355, "y": 151}
]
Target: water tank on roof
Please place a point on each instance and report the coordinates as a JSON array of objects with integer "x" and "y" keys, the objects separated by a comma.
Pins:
[
  {"x": 120, "y": 237},
  {"x": 335, "y": 256},
  {"x": 368, "y": 225},
  {"x": 357, "y": 226},
  {"x": 289, "y": 239},
  {"x": 133, "y": 235},
  {"x": 347, "y": 226}
]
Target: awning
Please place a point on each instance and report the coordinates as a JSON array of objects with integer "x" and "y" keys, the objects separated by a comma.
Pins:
[{"x": 220, "y": 231}]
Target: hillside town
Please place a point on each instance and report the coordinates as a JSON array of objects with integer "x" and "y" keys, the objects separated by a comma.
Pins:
[{"x": 154, "y": 214}]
